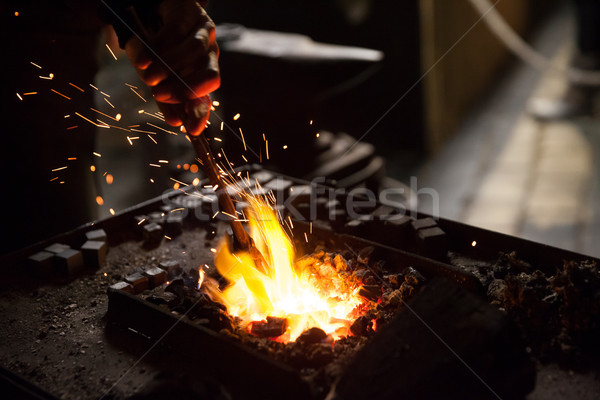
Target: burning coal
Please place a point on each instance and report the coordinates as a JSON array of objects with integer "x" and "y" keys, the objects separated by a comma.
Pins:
[{"x": 294, "y": 294}]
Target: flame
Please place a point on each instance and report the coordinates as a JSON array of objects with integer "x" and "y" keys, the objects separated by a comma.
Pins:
[{"x": 288, "y": 288}]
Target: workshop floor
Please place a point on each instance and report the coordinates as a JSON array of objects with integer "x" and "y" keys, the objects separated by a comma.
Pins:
[{"x": 506, "y": 172}]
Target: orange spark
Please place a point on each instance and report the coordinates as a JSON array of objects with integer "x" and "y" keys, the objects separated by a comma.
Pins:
[
  {"x": 66, "y": 97},
  {"x": 109, "y": 179},
  {"x": 58, "y": 169},
  {"x": 99, "y": 200},
  {"x": 236, "y": 117},
  {"x": 139, "y": 95},
  {"x": 76, "y": 87},
  {"x": 111, "y": 52}
]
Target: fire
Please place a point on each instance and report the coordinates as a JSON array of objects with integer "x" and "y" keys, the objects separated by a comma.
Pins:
[{"x": 306, "y": 292}]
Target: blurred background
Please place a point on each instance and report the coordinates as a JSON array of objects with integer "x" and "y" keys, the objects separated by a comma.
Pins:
[{"x": 438, "y": 99}]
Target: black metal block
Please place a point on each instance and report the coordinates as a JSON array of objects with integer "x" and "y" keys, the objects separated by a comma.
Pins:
[
  {"x": 173, "y": 225},
  {"x": 124, "y": 286},
  {"x": 172, "y": 267},
  {"x": 97, "y": 235},
  {"x": 69, "y": 261},
  {"x": 156, "y": 276},
  {"x": 424, "y": 223},
  {"x": 432, "y": 242},
  {"x": 138, "y": 281},
  {"x": 153, "y": 233},
  {"x": 57, "y": 248},
  {"x": 41, "y": 263},
  {"x": 94, "y": 253}
]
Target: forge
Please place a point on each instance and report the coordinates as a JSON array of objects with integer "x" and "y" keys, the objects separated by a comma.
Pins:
[{"x": 158, "y": 299}]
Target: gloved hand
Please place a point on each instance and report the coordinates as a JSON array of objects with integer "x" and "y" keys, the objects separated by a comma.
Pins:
[{"x": 182, "y": 65}]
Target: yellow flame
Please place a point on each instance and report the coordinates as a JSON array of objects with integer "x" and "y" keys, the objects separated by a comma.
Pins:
[{"x": 289, "y": 288}]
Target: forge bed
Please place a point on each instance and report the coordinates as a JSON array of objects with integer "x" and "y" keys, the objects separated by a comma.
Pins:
[{"x": 60, "y": 340}]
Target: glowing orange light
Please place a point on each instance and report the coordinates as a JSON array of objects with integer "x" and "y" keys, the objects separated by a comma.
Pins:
[
  {"x": 16, "y": 13},
  {"x": 176, "y": 186},
  {"x": 92, "y": 168},
  {"x": 186, "y": 166},
  {"x": 196, "y": 182},
  {"x": 289, "y": 288},
  {"x": 193, "y": 168},
  {"x": 112, "y": 212},
  {"x": 99, "y": 200},
  {"x": 109, "y": 179}
]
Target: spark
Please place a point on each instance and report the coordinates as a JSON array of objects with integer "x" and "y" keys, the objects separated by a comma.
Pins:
[
  {"x": 285, "y": 146},
  {"x": 196, "y": 181},
  {"x": 318, "y": 134},
  {"x": 16, "y": 13},
  {"x": 213, "y": 217},
  {"x": 129, "y": 140},
  {"x": 131, "y": 86},
  {"x": 229, "y": 215},
  {"x": 243, "y": 140},
  {"x": 310, "y": 122},
  {"x": 99, "y": 200},
  {"x": 118, "y": 127},
  {"x": 163, "y": 161},
  {"x": 35, "y": 65},
  {"x": 92, "y": 168},
  {"x": 193, "y": 168},
  {"x": 267, "y": 146},
  {"x": 53, "y": 179},
  {"x": 139, "y": 95},
  {"x": 109, "y": 179},
  {"x": 58, "y": 169},
  {"x": 19, "y": 96},
  {"x": 76, "y": 87},
  {"x": 109, "y": 103},
  {"x": 49, "y": 77},
  {"x": 175, "y": 180},
  {"x": 154, "y": 165},
  {"x": 73, "y": 127},
  {"x": 213, "y": 250},
  {"x": 310, "y": 225},
  {"x": 107, "y": 95},
  {"x": 112, "y": 212},
  {"x": 105, "y": 274},
  {"x": 162, "y": 129},
  {"x": 216, "y": 103},
  {"x": 151, "y": 180},
  {"x": 167, "y": 237},
  {"x": 291, "y": 223},
  {"x": 29, "y": 93},
  {"x": 222, "y": 124},
  {"x": 177, "y": 209},
  {"x": 102, "y": 124},
  {"x": 66, "y": 97},
  {"x": 143, "y": 131},
  {"x": 474, "y": 243},
  {"x": 71, "y": 158},
  {"x": 305, "y": 237},
  {"x": 151, "y": 138},
  {"x": 245, "y": 159},
  {"x": 97, "y": 154},
  {"x": 118, "y": 117},
  {"x": 218, "y": 139},
  {"x": 106, "y": 115},
  {"x": 111, "y": 52},
  {"x": 94, "y": 87},
  {"x": 236, "y": 117},
  {"x": 153, "y": 115}
]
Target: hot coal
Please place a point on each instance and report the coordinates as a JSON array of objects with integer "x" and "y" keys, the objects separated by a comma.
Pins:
[{"x": 271, "y": 328}]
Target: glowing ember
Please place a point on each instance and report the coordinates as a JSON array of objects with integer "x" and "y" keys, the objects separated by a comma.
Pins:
[{"x": 306, "y": 292}]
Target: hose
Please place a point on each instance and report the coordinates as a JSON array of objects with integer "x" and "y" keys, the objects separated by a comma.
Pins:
[{"x": 524, "y": 51}]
